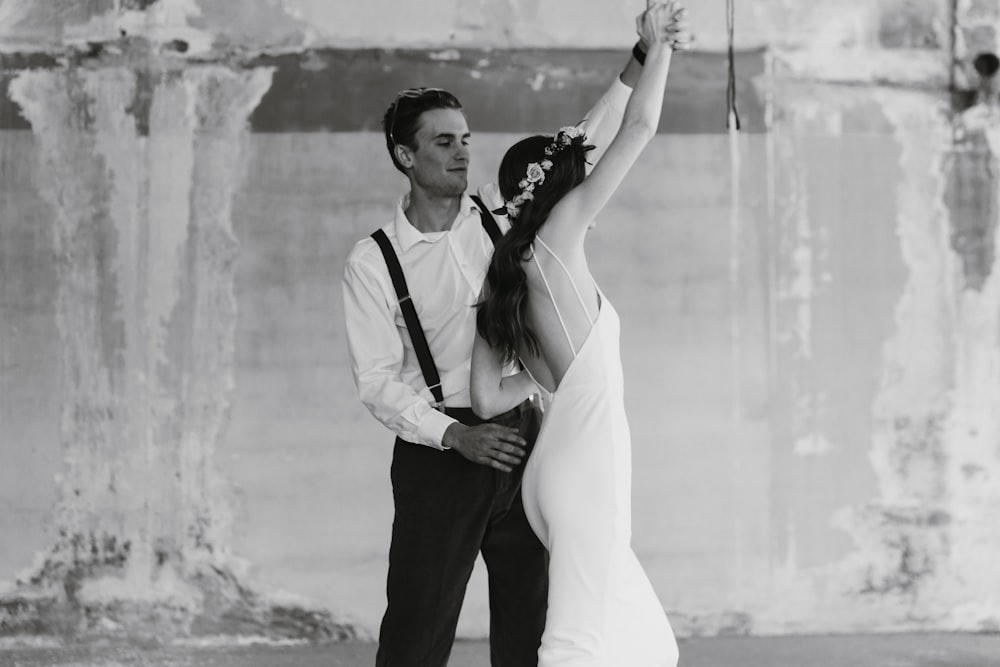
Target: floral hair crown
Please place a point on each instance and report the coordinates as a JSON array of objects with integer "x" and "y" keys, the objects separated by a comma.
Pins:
[{"x": 535, "y": 175}]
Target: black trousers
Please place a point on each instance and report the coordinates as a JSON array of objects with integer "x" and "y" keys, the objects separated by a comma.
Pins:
[{"x": 448, "y": 509}]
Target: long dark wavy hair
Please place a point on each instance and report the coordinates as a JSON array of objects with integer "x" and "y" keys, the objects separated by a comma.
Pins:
[{"x": 501, "y": 317}]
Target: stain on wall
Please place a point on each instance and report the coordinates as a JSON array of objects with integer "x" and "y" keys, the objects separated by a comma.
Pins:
[
  {"x": 145, "y": 251},
  {"x": 903, "y": 532},
  {"x": 923, "y": 541},
  {"x": 928, "y": 480}
]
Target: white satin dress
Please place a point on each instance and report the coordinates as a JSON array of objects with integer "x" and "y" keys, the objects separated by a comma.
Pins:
[{"x": 602, "y": 610}]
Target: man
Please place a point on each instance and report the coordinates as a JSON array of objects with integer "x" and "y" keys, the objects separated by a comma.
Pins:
[{"x": 455, "y": 479}]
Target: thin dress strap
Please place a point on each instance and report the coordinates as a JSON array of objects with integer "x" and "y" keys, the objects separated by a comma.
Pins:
[{"x": 583, "y": 304}]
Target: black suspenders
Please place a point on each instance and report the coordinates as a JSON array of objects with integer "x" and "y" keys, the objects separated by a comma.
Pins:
[
  {"x": 489, "y": 224},
  {"x": 420, "y": 347}
]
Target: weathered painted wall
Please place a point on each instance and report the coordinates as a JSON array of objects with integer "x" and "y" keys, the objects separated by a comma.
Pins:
[
  {"x": 809, "y": 318},
  {"x": 142, "y": 256},
  {"x": 289, "y": 24}
]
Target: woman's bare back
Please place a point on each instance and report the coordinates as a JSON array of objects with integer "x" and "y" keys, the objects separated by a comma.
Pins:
[{"x": 559, "y": 288}]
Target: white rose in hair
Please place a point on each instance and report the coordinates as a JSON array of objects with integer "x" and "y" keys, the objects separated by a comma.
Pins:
[{"x": 535, "y": 173}]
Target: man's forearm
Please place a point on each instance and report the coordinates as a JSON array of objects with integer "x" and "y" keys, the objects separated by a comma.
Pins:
[{"x": 400, "y": 409}]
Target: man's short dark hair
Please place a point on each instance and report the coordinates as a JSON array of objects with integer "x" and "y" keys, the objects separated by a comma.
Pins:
[{"x": 402, "y": 118}]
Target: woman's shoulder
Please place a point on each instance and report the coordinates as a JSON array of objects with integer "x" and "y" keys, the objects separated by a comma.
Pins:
[{"x": 564, "y": 243}]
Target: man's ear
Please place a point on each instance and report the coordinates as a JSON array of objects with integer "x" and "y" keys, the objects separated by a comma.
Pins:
[{"x": 404, "y": 155}]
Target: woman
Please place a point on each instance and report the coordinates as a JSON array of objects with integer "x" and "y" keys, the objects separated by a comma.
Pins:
[{"x": 541, "y": 307}]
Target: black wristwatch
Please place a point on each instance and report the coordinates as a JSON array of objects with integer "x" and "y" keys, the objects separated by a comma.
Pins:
[{"x": 639, "y": 54}]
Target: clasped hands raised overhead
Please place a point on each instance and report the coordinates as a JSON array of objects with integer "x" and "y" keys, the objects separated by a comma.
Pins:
[{"x": 664, "y": 23}]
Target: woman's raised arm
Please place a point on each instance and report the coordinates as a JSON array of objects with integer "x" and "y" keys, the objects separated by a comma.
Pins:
[{"x": 664, "y": 29}]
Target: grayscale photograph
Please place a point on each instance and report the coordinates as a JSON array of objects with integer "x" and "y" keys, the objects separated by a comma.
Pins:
[{"x": 499, "y": 333}]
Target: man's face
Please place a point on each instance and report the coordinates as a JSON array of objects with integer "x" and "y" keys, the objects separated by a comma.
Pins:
[{"x": 440, "y": 161}]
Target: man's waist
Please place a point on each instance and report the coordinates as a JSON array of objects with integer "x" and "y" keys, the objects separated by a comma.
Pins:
[{"x": 464, "y": 415}]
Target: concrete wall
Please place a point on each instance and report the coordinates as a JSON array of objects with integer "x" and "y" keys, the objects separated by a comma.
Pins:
[
  {"x": 809, "y": 312},
  {"x": 293, "y": 24}
]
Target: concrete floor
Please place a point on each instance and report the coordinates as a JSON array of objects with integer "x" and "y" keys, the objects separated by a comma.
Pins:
[{"x": 904, "y": 650}]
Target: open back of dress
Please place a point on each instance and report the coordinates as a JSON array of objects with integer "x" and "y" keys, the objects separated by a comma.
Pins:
[{"x": 577, "y": 496}]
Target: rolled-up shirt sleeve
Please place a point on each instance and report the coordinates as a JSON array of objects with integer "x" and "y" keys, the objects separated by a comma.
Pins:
[{"x": 377, "y": 357}]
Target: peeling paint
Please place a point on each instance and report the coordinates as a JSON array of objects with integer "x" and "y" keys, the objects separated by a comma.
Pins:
[
  {"x": 166, "y": 22},
  {"x": 923, "y": 544},
  {"x": 905, "y": 26},
  {"x": 260, "y": 25},
  {"x": 903, "y": 536},
  {"x": 918, "y": 359},
  {"x": 31, "y": 26},
  {"x": 205, "y": 26},
  {"x": 146, "y": 315},
  {"x": 972, "y": 472},
  {"x": 929, "y": 528}
]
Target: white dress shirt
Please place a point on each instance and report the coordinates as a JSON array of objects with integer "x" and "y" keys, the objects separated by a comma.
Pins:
[{"x": 444, "y": 272}]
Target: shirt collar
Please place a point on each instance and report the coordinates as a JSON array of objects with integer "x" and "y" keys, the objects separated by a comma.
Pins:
[{"x": 408, "y": 236}]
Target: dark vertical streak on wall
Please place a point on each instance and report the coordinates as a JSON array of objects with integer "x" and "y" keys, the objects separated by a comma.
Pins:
[{"x": 972, "y": 200}]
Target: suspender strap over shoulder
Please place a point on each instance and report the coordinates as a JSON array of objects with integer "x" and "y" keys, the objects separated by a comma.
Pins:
[
  {"x": 420, "y": 346},
  {"x": 489, "y": 224},
  {"x": 416, "y": 331}
]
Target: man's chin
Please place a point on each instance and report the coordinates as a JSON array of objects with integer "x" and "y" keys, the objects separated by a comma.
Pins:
[
  {"x": 453, "y": 187},
  {"x": 459, "y": 186}
]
